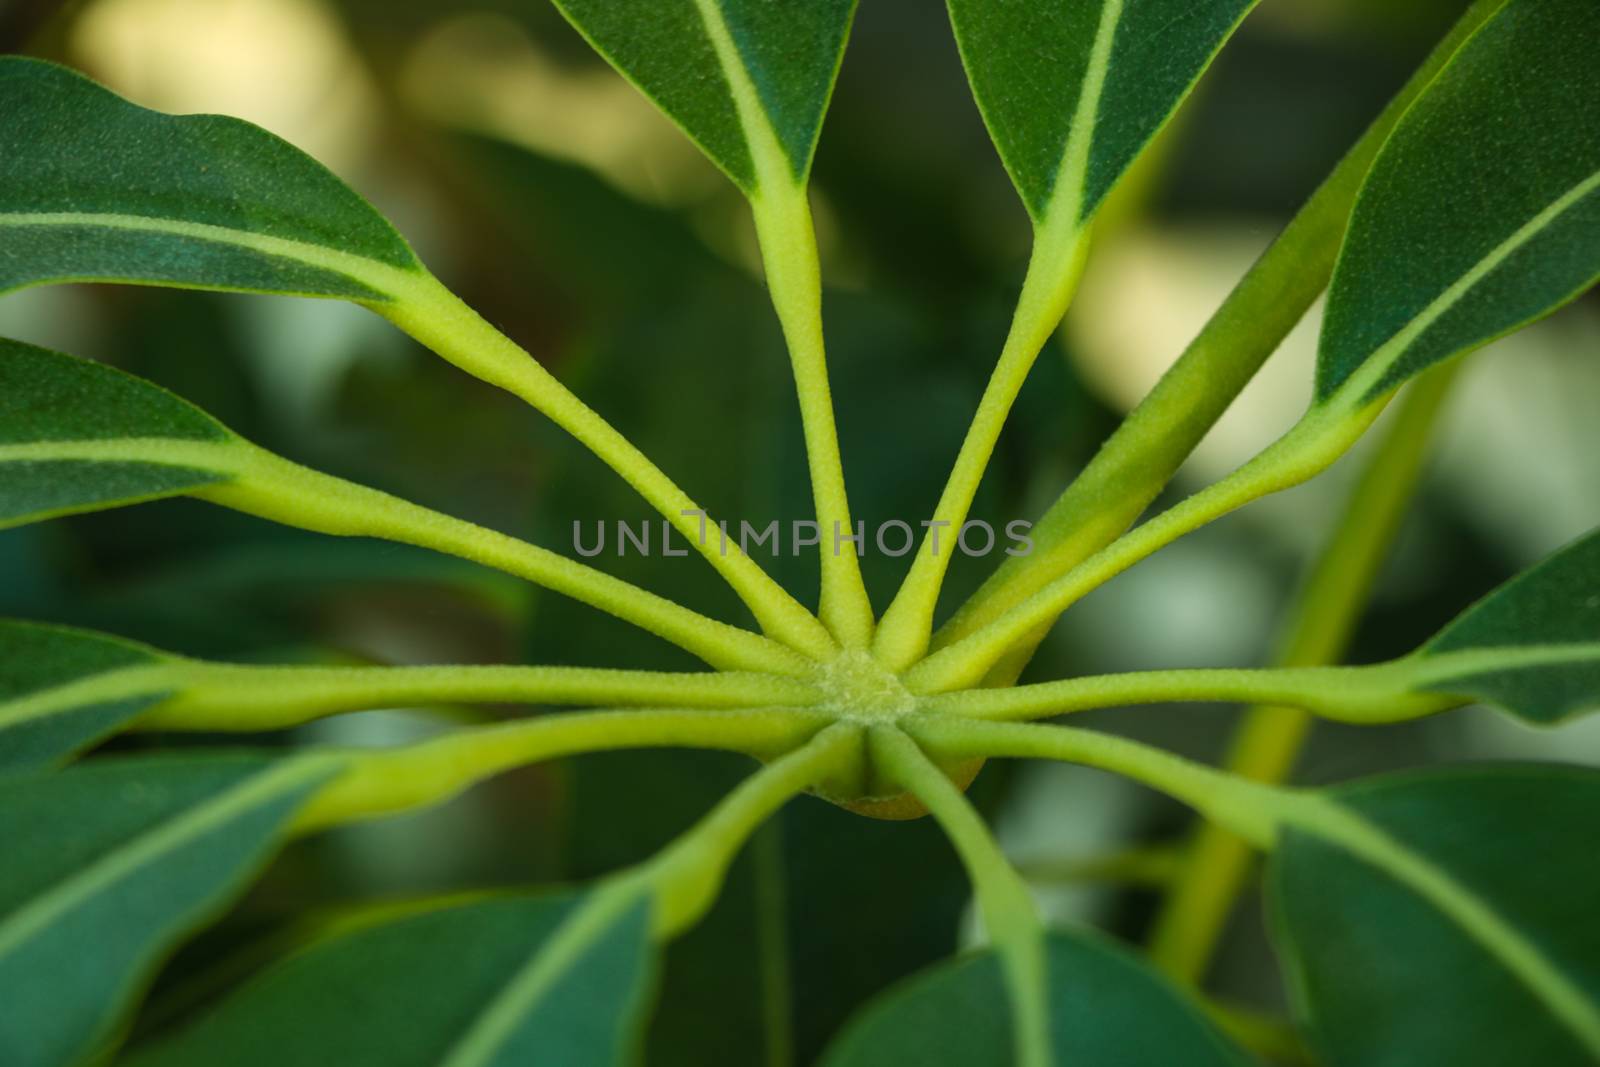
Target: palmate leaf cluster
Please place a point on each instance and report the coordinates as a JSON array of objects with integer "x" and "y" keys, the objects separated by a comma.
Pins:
[{"x": 1437, "y": 916}]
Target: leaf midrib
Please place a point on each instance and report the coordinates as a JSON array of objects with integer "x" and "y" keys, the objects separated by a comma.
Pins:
[
  {"x": 143, "y": 679},
  {"x": 1439, "y": 668},
  {"x": 767, "y": 156},
  {"x": 1073, "y": 173},
  {"x": 1369, "y": 376},
  {"x": 29, "y": 920},
  {"x": 1342, "y": 826},
  {"x": 557, "y": 954},
  {"x": 208, "y": 456},
  {"x": 377, "y": 275}
]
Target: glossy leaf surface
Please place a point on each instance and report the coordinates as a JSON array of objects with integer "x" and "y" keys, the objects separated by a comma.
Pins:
[
  {"x": 94, "y": 188},
  {"x": 747, "y": 80},
  {"x": 107, "y": 866},
  {"x": 1447, "y": 917},
  {"x": 1105, "y": 1007},
  {"x": 1073, "y": 90},
  {"x": 425, "y": 990},
  {"x": 77, "y": 436},
  {"x": 1482, "y": 212}
]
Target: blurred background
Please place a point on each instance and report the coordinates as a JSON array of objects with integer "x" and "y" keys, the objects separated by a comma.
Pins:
[{"x": 549, "y": 194}]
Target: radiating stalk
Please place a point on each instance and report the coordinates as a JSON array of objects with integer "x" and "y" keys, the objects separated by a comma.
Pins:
[{"x": 1271, "y": 737}]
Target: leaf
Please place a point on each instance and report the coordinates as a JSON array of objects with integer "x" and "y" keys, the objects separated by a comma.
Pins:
[
  {"x": 747, "y": 80},
  {"x": 1482, "y": 211},
  {"x": 413, "y": 991},
  {"x": 61, "y": 690},
  {"x": 107, "y": 866},
  {"x": 1073, "y": 90},
  {"x": 1106, "y": 1007},
  {"x": 1532, "y": 646},
  {"x": 1446, "y": 917},
  {"x": 76, "y": 436},
  {"x": 94, "y": 188}
]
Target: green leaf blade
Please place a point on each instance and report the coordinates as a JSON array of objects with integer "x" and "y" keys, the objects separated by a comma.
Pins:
[
  {"x": 1106, "y": 1006},
  {"x": 107, "y": 866},
  {"x": 1073, "y": 92},
  {"x": 1531, "y": 647},
  {"x": 670, "y": 58},
  {"x": 94, "y": 188},
  {"x": 792, "y": 52},
  {"x": 56, "y": 248},
  {"x": 34, "y": 490},
  {"x": 405, "y": 993},
  {"x": 79, "y": 436},
  {"x": 1487, "y": 956},
  {"x": 61, "y": 690},
  {"x": 1159, "y": 53},
  {"x": 1482, "y": 212},
  {"x": 787, "y": 53}
]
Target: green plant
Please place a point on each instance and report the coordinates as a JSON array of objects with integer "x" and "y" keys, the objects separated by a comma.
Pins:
[{"x": 1469, "y": 209}]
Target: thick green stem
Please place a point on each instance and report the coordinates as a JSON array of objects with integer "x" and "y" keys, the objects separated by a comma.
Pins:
[
  {"x": 285, "y": 492},
  {"x": 440, "y": 320},
  {"x": 375, "y": 783},
  {"x": 1145, "y": 452},
  {"x": 1008, "y": 910},
  {"x": 1271, "y": 736}
]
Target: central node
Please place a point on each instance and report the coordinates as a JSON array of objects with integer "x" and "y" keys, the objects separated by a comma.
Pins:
[{"x": 860, "y": 689}]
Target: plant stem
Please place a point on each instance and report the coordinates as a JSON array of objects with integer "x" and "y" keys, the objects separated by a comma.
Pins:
[
  {"x": 1141, "y": 457},
  {"x": 688, "y": 874},
  {"x": 374, "y": 783},
  {"x": 1009, "y": 913},
  {"x": 794, "y": 280},
  {"x": 1054, "y": 269},
  {"x": 1379, "y": 693},
  {"x": 1271, "y": 736},
  {"x": 1251, "y": 809},
  {"x": 215, "y": 696},
  {"x": 1320, "y": 437},
  {"x": 772, "y": 934},
  {"x": 285, "y": 492},
  {"x": 439, "y": 319}
]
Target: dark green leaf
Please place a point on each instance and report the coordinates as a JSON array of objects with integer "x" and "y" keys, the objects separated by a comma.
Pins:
[
  {"x": 413, "y": 992},
  {"x": 1106, "y": 1007},
  {"x": 77, "y": 436},
  {"x": 1532, "y": 646},
  {"x": 1447, "y": 917},
  {"x": 1073, "y": 90},
  {"x": 93, "y": 188},
  {"x": 1482, "y": 212},
  {"x": 107, "y": 866},
  {"x": 781, "y": 57},
  {"x": 61, "y": 690}
]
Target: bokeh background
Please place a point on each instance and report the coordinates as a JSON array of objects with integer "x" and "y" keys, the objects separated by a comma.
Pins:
[{"x": 555, "y": 199}]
